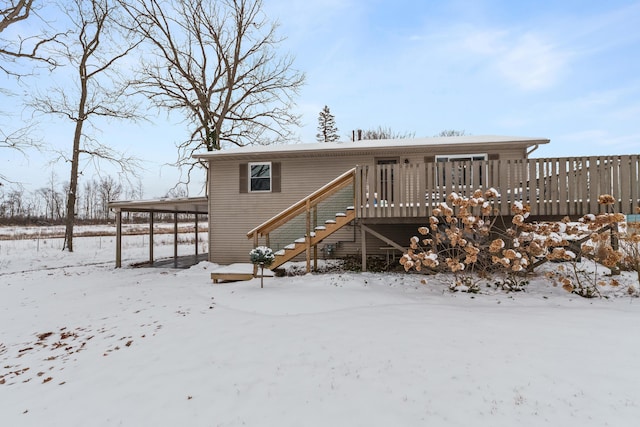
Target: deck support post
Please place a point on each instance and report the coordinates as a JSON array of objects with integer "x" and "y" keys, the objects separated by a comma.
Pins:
[
  {"x": 308, "y": 235},
  {"x": 315, "y": 247},
  {"x": 175, "y": 240},
  {"x": 151, "y": 221},
  {"x": 315, "y": 258},
  {"x": 255, "y": 245},
  {"x": 118, "y": 238},
  {"x": 363, "y": 249}
]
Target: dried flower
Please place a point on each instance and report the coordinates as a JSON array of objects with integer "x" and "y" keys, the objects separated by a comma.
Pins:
[
  {"x": 606, "y": 199},
  {"x": 496, "y": 246}
]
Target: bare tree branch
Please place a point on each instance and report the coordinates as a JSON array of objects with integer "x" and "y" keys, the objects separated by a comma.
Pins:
[
  {"x": 30, "y": 47},
  {"x": 19, "y": 139}
]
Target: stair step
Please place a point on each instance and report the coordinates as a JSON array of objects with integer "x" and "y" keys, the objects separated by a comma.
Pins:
[
  {"x": 350, "y": 208},
  {"x": 314, "y": 237}
]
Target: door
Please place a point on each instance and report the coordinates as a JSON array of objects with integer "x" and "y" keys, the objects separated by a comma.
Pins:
[{"x": 385, "y": 180}]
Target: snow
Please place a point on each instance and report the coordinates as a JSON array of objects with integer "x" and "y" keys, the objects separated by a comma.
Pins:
[
  {"x": 246, "y": 268},
  {"x": 166, "y": 347},
  {"x": 368, "y": 145}
]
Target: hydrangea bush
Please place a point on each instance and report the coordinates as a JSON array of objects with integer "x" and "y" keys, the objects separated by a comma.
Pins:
[{"x": 461, "y": 238}]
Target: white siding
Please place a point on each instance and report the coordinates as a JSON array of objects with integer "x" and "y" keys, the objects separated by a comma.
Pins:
[{"x": 232, "y": 214}]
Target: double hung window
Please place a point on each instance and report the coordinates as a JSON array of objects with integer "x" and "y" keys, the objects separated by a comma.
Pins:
[{"x": 260, "y": 175}]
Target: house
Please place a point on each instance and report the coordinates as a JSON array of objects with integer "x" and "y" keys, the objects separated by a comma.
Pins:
[{"x": 369, "y": 197}]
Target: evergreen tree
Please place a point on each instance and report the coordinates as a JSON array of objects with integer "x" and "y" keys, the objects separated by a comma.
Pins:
[{"x": 327, "y": 130}]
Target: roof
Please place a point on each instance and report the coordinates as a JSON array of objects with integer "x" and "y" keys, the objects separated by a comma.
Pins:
[
  {"x": 372, "y": 146},
  {"x": 190, "y": 205}
]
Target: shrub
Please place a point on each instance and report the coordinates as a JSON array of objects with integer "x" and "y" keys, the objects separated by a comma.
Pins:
[
  {"x": 264, "y": 257},
  {"x": 460, "y": 238}
]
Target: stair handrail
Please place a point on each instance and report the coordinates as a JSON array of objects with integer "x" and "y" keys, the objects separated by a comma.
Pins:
[{"x": 301, "y": 206}]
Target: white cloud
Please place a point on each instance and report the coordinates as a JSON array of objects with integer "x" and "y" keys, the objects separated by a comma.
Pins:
[
  {"x": 526, "y": 60},
  {"x": 532, "y": 63}
]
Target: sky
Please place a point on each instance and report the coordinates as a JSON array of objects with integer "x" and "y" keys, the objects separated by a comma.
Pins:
[{"x": 568, "y": 71}]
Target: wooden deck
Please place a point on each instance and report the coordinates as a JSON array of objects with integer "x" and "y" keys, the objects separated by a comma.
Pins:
[
  {"x": 551, "y": 186},
  {"x": 408, "y": 193},
  {"x": 236, "y": 273},
  {"x": 233, "y": 273}
]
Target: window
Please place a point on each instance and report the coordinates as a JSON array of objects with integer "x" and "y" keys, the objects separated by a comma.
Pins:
[
  {"x": 461, "y": 175},
  {"x": 461, "y": 158},
  {"x": 260, "y": 177}
]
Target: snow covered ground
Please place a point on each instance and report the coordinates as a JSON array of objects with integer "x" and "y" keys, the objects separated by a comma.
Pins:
[{"x": 84, "y": 344}]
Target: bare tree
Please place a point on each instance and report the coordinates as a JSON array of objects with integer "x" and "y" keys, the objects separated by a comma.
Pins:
[
  {"x": 101, "y": 89},
  {"x": 380, "y": 133},
  {"x": 216, "y": 61},
  {"x": 451, "y": 132},
  {"x": 108, "y": 189},
  {"x": 14, "y": 203},
  {"x": 89, "y": 199},
  {"x": 53, "y": 199}
]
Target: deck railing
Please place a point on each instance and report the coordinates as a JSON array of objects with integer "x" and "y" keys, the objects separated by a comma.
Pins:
[
  {"x": 306, "y": 206},
  {"x": 551, "y": 186}
]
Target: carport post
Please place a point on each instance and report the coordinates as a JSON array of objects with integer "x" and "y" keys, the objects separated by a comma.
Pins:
[
  {"x": 151, "y": 237},
  {"x": 196, "y": 237},
  {"x": 363, "y": 238},
  {"x": 118, "y": 238},
  {"x": 175, "y": 240}
]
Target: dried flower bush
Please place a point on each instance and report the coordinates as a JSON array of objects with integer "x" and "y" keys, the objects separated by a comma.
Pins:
[{"x": 461, "y": 239}]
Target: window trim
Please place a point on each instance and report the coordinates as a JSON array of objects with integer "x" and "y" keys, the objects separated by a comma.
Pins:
[
  {"x": 441, "y": 178},
  {"x": 460, "y": 157},
  {"x": 250, "y": 178}
]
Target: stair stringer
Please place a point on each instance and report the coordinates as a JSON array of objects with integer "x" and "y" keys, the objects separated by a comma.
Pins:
[{"x": 319, "y": 236}]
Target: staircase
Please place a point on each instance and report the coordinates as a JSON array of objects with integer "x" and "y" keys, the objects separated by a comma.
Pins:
[
  {"x": 320, "y": 233},
  {"x": 308, "y": 206}
]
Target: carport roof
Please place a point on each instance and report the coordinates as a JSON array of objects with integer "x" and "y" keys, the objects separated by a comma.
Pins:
[{"x": 189, "y": 205}]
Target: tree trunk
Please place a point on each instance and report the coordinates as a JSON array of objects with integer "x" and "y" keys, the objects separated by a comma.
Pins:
[
  {"x": 75, "y": 159},
  {"x": 73, "y": 186}
]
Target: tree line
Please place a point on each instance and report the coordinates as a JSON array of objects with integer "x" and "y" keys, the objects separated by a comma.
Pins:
[{"x": 47, "y": 204}]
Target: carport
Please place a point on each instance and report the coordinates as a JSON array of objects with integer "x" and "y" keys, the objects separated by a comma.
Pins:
[{"x": 195, "y": 206}]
